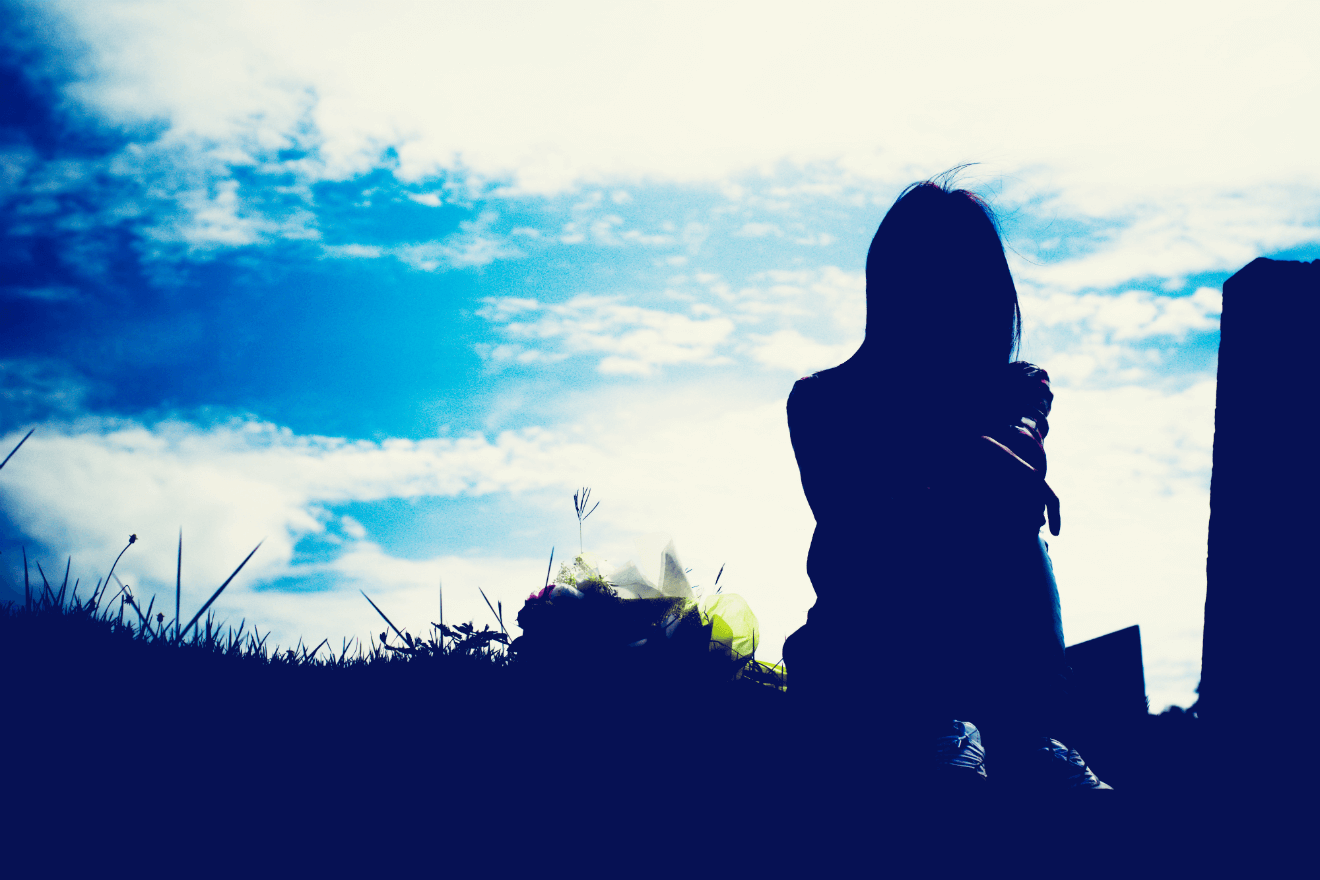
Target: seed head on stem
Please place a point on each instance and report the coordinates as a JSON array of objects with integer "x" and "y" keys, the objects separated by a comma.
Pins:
[{"x": 580, "y": 507}]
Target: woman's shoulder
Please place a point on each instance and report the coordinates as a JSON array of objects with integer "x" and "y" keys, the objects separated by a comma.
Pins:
[
  {"x": 824, "y": 381},
  {"x": 816, "y": 391},
  {"x": 808, "y": 388}
]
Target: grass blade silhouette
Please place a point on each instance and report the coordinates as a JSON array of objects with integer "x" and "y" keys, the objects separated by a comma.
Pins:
[
  {"x": 45, "y": 585},
  {"x": 178, "y": 585},
  {"x": 498, "y": 615},
  {"x": 387, "y": 620},
  {"x": 59, "y": 600},
  {"x": 216, "y": 594},
  {"x": 20, "y": 443}
]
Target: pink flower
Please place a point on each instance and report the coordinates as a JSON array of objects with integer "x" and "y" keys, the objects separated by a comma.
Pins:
[{"x": 542, "y": 593}]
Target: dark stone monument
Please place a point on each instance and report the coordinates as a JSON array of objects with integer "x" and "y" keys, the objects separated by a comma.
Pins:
[
  {"x": 1260, "y": 571},
  {"x": 1107, "y": 704},
  {"x": 1108, "y": 677}
]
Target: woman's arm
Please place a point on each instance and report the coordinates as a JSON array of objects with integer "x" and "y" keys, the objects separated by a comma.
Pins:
[
  {"x": 1011, "y": 462},
  {"x": 1015, "y": 478}
]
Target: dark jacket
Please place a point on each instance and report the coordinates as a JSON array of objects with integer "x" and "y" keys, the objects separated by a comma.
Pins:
[{"x": 892, "y": 476}]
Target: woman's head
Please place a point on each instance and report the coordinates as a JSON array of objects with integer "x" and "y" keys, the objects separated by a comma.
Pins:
[{"x": 938, "y": 288}]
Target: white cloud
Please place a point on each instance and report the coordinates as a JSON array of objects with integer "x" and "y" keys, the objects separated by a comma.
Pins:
[
  {"x": 594, "y": 92},
  {"x": 815, "y": 239},
  {"x": 472, "y": 245},
  {"x": 1130, "y": 315},
  {"x": 832, "y": 302},
  {"x": 430, "y": 199},
  {"x": 215, "y": 219},
  {"x": 353, "y": 251},
  {"x": 82, "y": 490},
  {"x": 592, "y": 98},
  {"x": 790, "y": 350},
  {"x": 758, "y": 230},
  {"x": 137, "y": 478},
  {"x": 1184, "y": 231},
  {"x": 630, "y": 339},
  {"x": 800, "y": 321},
  {"x": 353, "y": 528}
]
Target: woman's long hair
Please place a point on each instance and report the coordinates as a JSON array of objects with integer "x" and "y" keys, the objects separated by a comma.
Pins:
[{"x": 939, "y": 293}]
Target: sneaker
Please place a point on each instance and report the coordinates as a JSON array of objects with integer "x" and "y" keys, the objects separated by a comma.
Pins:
[
  {"x": 960, "y": 751},
  {"x": 1057, "y": 767}
]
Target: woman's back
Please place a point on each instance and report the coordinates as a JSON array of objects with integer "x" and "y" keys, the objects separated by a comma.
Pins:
[
  {"x": 923, "y": 461},
  {"x": 932, "y": 584},
  {"x": 894, "y": 468}
]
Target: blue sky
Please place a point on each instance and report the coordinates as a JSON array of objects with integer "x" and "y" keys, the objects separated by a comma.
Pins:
[{"x": 383, "y": 284}]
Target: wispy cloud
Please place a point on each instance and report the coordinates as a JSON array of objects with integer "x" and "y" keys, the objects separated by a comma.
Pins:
[
  {"x": 790, "y": 350},
  {"x": 795, "y": 321},
  {"x": 473, "y": 245},
  {"x": 40, "y": 387},
  {"x": 50, "y": 293},
  {"x": 1184, "y": 232},
  {"x": 77, "y": 488},
  {"x": 758, "y": 230},
  {"x": 1130, "y": 315},
  {"x": 206, "y": 89},
  {"x": 628, "y": 339}
]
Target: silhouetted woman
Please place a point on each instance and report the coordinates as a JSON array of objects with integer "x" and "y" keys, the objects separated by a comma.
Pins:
[{"x": 936, "y": 631}]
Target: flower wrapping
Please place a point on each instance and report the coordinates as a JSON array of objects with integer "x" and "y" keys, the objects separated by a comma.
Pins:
[{"x": 585, "y": 612}]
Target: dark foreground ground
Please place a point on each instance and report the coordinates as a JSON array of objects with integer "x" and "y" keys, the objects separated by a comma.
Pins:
[{"x": 130, "y": 747}]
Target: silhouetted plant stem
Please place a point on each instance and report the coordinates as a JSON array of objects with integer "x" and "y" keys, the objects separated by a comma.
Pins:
[
  {"x": 498, "y": 615},
  {"x": 382, "y": 614},
  {"x": 178, "y": 585},
  {"x": 132, "y": 539},
  {"x": 15, "y": 449},
  {"x": 122, "y": 588},
  {"x": 59, "y": 600},
  {"x": 579, "y": 508},
  {"x": 45, "y": 585},
  {"x": 216, "y": 594}
]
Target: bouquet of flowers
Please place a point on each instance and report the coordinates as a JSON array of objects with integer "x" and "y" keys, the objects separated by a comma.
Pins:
[{"x": 586, "y": 614}]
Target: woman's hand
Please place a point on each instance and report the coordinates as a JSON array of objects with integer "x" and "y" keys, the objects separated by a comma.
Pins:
[
  {"x": 1052, "y": 509},
  {"x": 1018, "y": 477}
]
